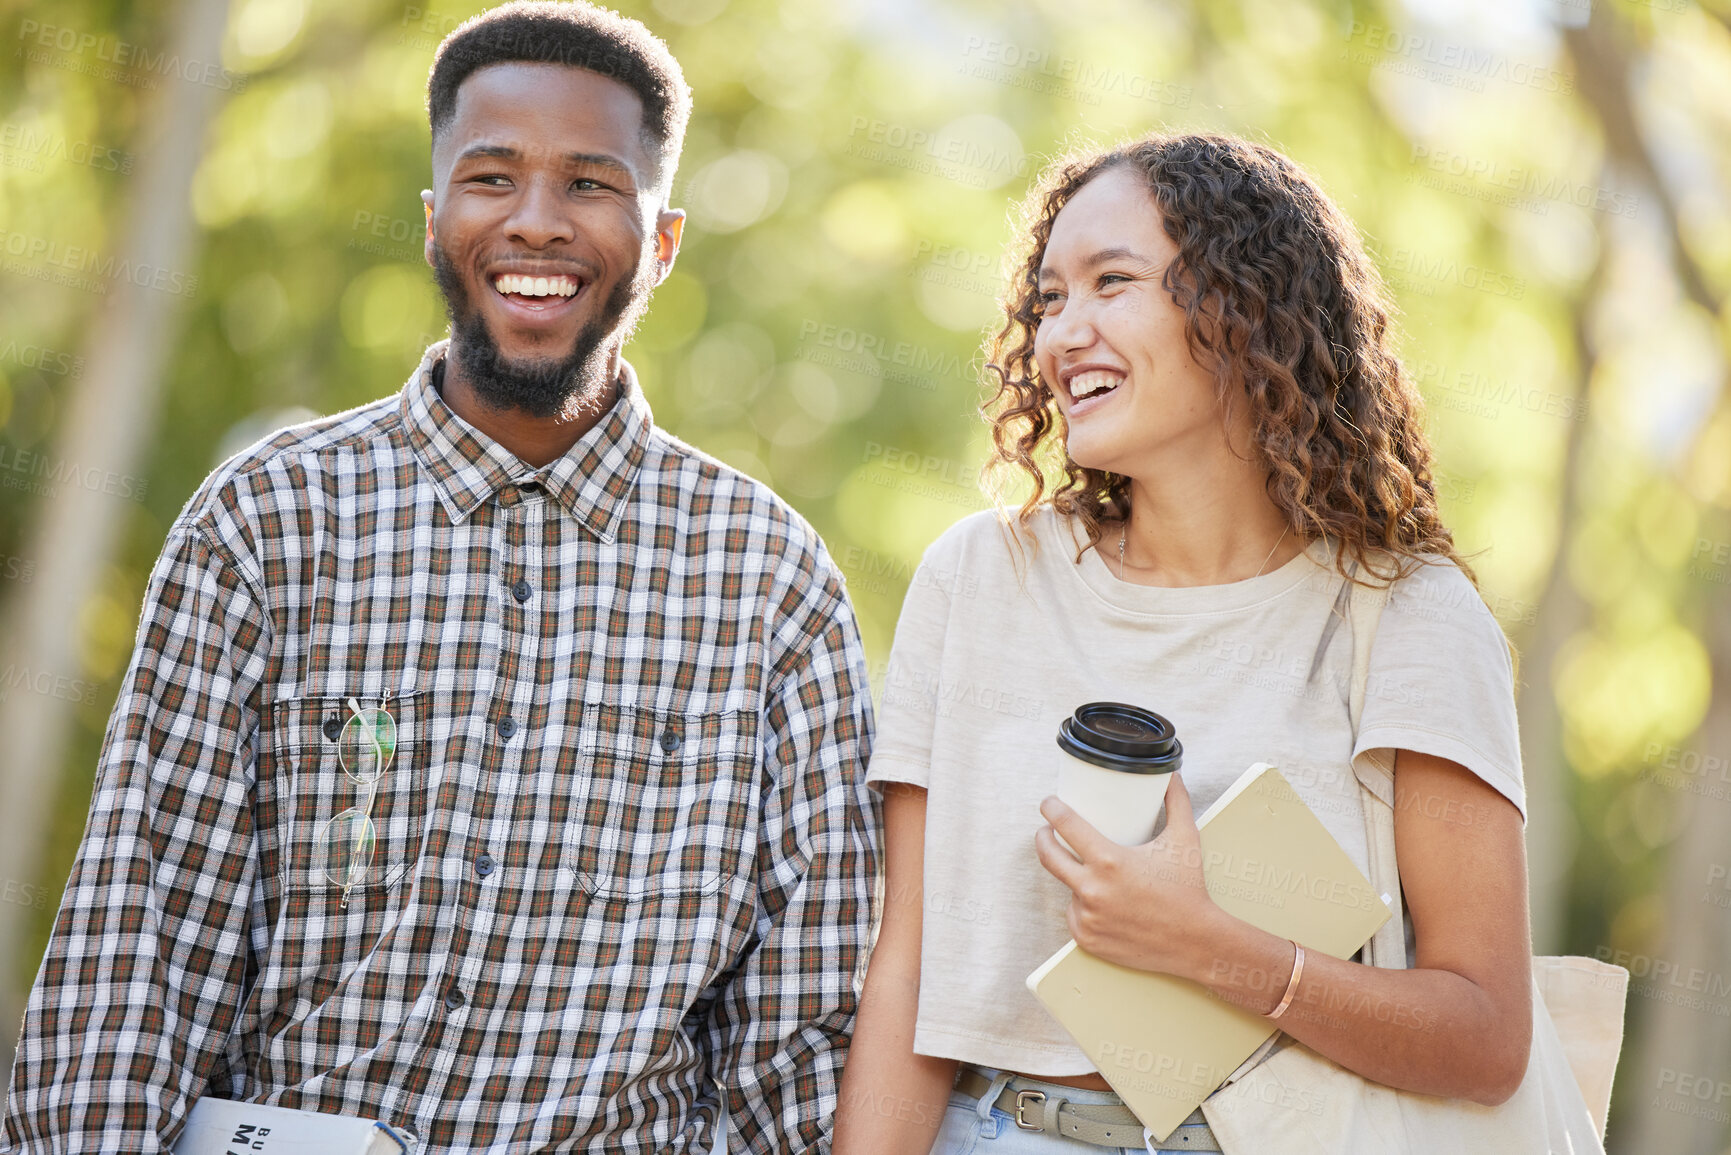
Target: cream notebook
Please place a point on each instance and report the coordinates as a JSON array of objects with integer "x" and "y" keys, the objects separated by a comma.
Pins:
[
  {"x": 223, "y": 1127},
  {"x": 1165, "y": 1043}
]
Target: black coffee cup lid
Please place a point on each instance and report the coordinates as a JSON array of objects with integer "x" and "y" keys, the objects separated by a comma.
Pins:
[{"x": 1121, "y": 737}]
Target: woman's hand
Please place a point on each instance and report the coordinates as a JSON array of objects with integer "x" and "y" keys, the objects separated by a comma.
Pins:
[{"x": 1138, "y": 906}]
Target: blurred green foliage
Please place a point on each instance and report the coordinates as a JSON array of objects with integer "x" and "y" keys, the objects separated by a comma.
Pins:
[{"x": 850, "y": 173}]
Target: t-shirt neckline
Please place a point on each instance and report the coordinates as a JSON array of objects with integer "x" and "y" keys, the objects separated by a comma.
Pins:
[{"x": 1093, "y": 573}]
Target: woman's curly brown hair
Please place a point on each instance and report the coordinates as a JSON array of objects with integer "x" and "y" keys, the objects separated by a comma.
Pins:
[{"x": 1283, "y": 306}]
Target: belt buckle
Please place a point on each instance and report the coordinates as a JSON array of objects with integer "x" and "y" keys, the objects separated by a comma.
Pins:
[{"x": 1023, "y": 1100}]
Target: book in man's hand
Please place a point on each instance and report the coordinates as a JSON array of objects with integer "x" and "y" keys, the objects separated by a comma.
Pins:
[
  {"x": 1165, "y": 1043},
  {"x": 225, "y": 1127}
]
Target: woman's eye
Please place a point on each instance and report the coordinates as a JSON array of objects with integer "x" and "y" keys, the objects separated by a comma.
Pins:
[
  {"x": 1047, "y": 300},
  {"x": 1112, "y": 279}
]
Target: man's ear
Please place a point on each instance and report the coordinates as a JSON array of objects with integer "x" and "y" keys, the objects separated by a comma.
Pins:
[
  {"x": 669, "y": 226},
  {"x": 427, "y": 203}
]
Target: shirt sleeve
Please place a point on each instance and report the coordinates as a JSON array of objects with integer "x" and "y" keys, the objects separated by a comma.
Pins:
[
  {"x": 913, "y": 685},
  {"x": 1441, "y": 680},
  {"x": 144, "y": 971},
  {"x": 779, "y": 1030}
]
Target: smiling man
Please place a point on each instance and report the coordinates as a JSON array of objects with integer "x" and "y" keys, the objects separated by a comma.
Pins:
[{"x": 490, "y": 763}]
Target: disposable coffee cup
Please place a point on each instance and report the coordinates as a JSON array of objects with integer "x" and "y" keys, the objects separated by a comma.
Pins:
[{"x": 1120, "y": 759}]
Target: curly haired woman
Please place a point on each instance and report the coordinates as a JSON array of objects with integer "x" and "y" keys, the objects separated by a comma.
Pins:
[{"x": 1196, "y": 339}]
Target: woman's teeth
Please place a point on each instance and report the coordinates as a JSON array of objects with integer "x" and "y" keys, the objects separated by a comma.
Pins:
[
  {"x": 536, "y": 286},
  {"x": 1085, "y": 384}
]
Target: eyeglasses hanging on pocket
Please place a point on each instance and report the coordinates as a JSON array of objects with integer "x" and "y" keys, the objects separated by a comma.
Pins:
[{"x": 365, "y": 750}]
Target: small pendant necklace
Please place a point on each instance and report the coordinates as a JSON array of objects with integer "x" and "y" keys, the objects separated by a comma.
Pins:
[{"x": 1123, "y": 533}]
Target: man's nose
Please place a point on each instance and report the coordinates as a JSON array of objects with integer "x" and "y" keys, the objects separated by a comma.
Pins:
[{"x": 541, "y": 216}]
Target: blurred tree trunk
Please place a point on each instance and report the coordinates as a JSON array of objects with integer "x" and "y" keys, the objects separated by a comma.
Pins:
[
  {"x": 1551, "y": 830},
  {"x": 1682, "y": 1025},
  {"x": 1678, "y": 1009},
  {"x": 110, "y": 419}
]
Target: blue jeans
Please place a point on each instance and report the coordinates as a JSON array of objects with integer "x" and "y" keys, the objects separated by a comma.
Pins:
[{"x": 974, "y": 1125}]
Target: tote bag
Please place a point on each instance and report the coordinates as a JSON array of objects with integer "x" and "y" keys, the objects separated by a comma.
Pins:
[{"x": 1295, "y": 1102}]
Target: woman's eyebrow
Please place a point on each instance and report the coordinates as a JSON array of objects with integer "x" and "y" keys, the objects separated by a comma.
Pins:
[
  {"x": 1100, "y": 257},
  {"x": 1114, "y": 254}
]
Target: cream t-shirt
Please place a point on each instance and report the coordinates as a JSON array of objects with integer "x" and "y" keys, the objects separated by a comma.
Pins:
[{"x": 998, "y": 643}]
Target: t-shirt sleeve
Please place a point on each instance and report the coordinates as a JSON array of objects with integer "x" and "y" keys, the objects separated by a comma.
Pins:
[
  {"x": 906, "y": 719},
  {"x": 1442, "y": 681}
]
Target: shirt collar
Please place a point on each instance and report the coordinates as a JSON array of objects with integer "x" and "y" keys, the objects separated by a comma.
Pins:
[{"x": 592, "y": 480}]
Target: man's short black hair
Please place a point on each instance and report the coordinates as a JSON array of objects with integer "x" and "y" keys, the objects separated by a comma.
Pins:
[{"x": 579, "y": 35}]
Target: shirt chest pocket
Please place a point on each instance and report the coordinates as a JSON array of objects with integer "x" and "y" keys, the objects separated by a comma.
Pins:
[
  {"x": 671, "y": 802},
  {"x": 355, "y": 789}
]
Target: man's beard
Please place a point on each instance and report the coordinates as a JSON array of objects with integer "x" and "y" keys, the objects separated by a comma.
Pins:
[{"x": 541, "y": 386}]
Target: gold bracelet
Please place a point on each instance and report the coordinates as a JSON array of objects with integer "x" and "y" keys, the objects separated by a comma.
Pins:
[{"x": 1292, "y": 984}]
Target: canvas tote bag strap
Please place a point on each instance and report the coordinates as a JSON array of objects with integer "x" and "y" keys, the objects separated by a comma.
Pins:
[{"x": 1362, "y": 607}]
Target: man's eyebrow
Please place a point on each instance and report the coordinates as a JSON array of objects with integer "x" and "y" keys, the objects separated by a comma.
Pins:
[{"x": 511, "y": 152}]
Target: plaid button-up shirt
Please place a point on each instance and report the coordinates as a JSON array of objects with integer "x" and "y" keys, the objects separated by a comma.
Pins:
[{"x": 625, "y": 855}]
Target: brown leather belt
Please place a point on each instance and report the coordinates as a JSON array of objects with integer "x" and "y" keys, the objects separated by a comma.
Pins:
[{"x": 1036, "y": 1105}]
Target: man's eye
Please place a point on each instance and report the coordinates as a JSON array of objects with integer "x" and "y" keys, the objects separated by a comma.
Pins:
[
  {"x": 492, "y": 178},
  {"x": 585, "y": 184}
]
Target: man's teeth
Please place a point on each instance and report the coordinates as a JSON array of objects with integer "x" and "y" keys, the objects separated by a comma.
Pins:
[
  {"x": 1086, "y": 384},
  {"x": 536, "y": 286}
]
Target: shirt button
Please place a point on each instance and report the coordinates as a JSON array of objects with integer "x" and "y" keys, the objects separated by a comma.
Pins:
[
  {"x": 521, "y": 591},
  {"x": 484, "y": 865},
  {"x": 333, "y": 728},
  {"x": 454, "y": 1000},
  {"x": 507, "y": 727},
  {"x": 670, "y": 740}
]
